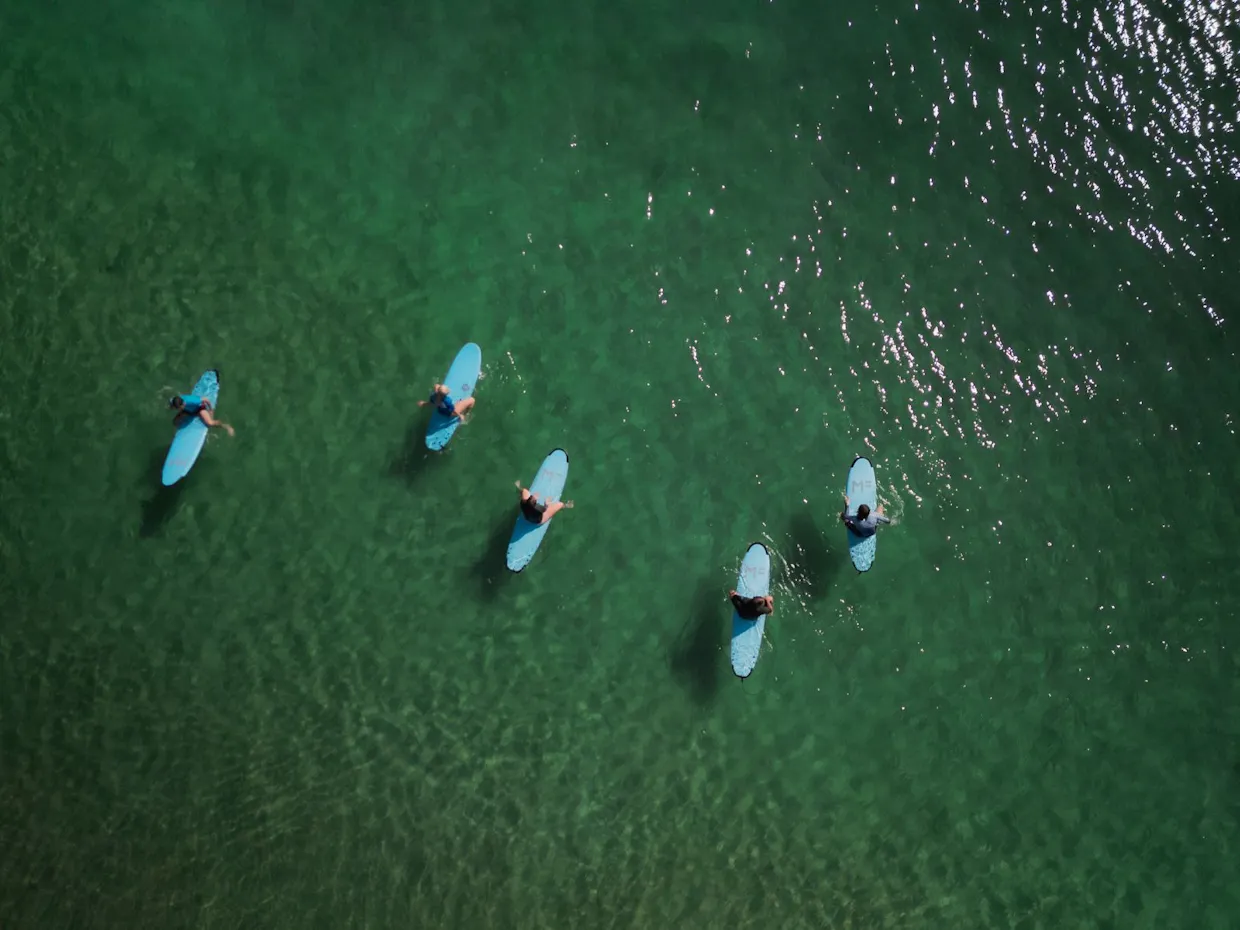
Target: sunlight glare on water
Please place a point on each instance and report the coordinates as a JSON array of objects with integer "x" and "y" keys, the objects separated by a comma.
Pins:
[{"x": 1060, "y": 116}]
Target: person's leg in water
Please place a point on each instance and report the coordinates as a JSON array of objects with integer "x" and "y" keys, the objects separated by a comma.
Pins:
[
  {"x": 212, "y": 423},
  {"x": 463, "y": 407},
  {"x": 554, "y": 507}
]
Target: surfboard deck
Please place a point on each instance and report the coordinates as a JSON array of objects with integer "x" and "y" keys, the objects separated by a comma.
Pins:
[
  {"x": 527, "y": 537},
  {"x": 461, "y": 379},
  {"x": 191, "y": 434},
  {"x": 862, "y": 489},
  {"x": 754, "y": 580}
]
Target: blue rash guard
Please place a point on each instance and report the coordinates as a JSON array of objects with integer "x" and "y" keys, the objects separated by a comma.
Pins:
[
  {"x": 193, "y": 404},
  {"x": 447, "y": 406}
]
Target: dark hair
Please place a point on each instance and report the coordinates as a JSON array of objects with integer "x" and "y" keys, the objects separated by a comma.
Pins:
[
  {"x": 863, "y": 511},
  {"x": 175, "y": 401}
]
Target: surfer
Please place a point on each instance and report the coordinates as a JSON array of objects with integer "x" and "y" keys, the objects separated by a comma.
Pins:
[
  {"x": 865, "y": 523},
  {"x": 191, "y": 405},
  {"x": 441, "y": 397},
  {"x": 751, "y": 608},
  {"x": 539, "y": 512}
]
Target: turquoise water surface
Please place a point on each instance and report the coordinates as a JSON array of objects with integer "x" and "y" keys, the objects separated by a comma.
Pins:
[{"x": 715, "y": 252}]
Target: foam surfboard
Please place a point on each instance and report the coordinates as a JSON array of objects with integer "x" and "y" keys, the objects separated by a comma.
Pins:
[
  {"x": 191, "y": 432},
  {"x": 548, "y": 484},
  {"x": 862, "y": 489},
  {"x": 460, "y": 381},
  {"x": 754, "y": 581}
]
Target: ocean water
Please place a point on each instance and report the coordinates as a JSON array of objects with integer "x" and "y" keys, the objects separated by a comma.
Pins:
[{"x": 714, "y": 251}]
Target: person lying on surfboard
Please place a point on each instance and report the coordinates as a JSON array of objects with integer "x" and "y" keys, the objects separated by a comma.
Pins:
[
  {"x": 539, "y": 511},
  {"x": 751, "y": 608},
  {"x": 191, "y": 405},
  {"x": 441, "y": 397},
  {"x": 864, "y": 523}
]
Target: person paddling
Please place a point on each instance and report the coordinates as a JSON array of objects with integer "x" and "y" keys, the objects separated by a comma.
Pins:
[
  {"x": 191, "y": 405},
  {"x": 751, "y": 608},
  {"x": 442, "y": 400},
  {"x": 866, "y": 522},
  {"x": 539, "y": 511}
]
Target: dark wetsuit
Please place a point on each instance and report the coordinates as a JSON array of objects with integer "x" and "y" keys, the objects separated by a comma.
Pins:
[
  {"x": 532, "y": 511},
  {"x": 749, "y": 608}
]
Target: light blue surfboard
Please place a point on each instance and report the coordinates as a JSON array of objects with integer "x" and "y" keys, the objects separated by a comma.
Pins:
[
  {"x": 460, "y": 381},
  {"x": 862, "y": 489},
  {"x": 549, "y": 485},
  {"x": 754, "y": 581},
  {"x": 191, "y": 433}
]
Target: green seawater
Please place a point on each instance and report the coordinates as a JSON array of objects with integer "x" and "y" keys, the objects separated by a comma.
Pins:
[{"x": 715, "y": 251}]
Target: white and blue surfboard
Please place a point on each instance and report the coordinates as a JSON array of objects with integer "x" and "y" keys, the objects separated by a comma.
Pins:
[
  {"x": 191, "y": 433},
  {"x": 548, "y": 484},
  {"x": 460, "y": 381},
  {"x": 754, "y": 581},
  {"x": 862, "y": 489}
]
